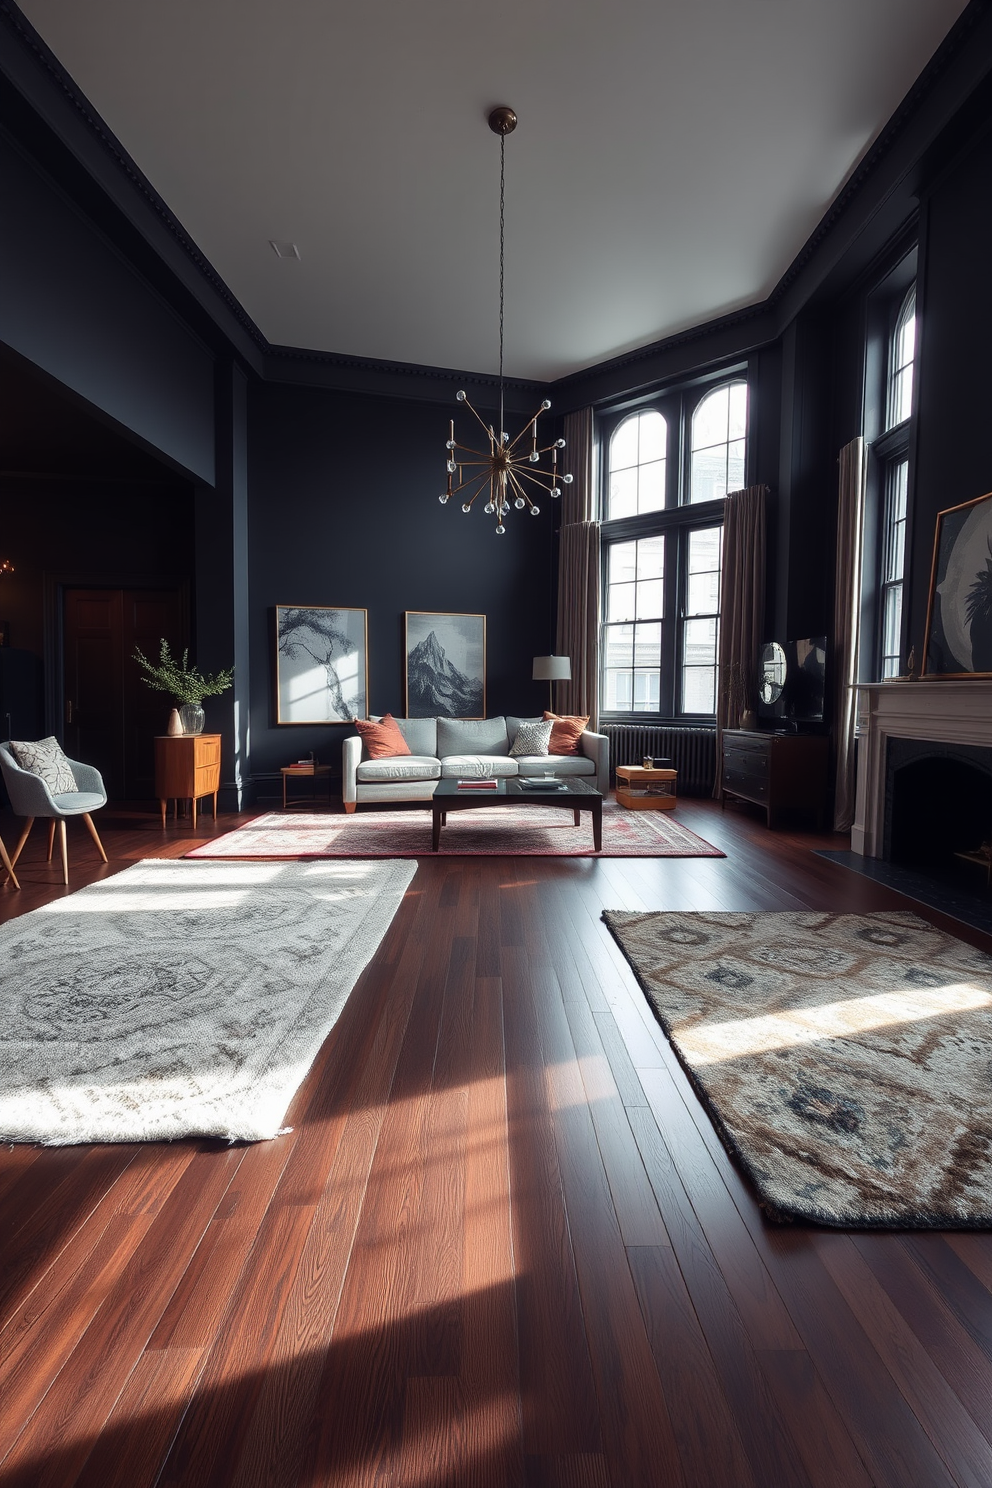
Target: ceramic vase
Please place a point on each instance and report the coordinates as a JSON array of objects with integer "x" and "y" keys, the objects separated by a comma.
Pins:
[{"x": 175, "y": 725}]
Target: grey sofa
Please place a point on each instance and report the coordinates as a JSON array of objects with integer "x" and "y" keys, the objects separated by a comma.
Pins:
[{"x": 460, "y": 748}]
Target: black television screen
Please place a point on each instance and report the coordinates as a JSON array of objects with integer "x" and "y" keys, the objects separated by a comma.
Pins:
[{"x": 792, "y": 680}]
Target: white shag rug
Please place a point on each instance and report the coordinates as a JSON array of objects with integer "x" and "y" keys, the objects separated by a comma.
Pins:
[{"x": 181, "y": 999}]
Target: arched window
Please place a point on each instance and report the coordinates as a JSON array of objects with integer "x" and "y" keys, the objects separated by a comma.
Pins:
[
  {"x": 902, "y": 351},
  {"x": 638, "y": 465},
  {"x": 719, "y": 427}
]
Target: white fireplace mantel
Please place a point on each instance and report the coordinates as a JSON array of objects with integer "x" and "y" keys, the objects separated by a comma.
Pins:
[{"x": 944, "y": 711}]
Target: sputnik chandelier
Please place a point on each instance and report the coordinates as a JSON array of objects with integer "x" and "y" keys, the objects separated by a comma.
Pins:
[{"x": 506, "y": 471}]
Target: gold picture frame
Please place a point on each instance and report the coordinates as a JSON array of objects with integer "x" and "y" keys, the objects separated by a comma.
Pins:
[
  {"x": 959, "y": 605},
  {"x": 445, "y": 664},
  {"x": 322, "y": 664}
]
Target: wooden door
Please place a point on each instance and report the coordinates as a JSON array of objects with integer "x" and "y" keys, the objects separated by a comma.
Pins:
[{"x": 111, "y": 715}]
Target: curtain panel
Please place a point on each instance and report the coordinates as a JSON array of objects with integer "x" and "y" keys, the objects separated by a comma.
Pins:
[
  {"x": 579, "y": 573},
  {"x": 742, "y": 611},
  {"x": 847, "y": 623}
]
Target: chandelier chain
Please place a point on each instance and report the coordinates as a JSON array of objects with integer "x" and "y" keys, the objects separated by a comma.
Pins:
[{"x": 502, "y": 228}]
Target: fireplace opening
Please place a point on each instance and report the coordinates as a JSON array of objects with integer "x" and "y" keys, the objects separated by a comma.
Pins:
[{"x": 939, "y": 810}]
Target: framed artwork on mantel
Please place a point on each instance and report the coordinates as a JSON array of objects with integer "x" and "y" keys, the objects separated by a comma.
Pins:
[
  {"x": 322, "y": 664},
  {"x": 959, "y": 611},
  {"x": 445, "y": 665}
]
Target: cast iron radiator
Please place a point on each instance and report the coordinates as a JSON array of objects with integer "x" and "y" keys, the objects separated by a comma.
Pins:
[{"x": 691, "y": 750}]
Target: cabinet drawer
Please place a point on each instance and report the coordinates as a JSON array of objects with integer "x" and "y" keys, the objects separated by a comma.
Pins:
[
  {"x": 744, "y": 782},
  {"x": 207, "y": 752},
  {"x": 754, "y": 762},
  {"x": 206, "y": 779}
]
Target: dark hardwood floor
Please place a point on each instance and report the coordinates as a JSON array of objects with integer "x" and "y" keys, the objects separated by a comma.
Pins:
[{"x": 502, "y": 1244}]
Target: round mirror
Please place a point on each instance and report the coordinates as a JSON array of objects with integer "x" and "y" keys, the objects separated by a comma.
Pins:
[{"x": 771, "y": 679}]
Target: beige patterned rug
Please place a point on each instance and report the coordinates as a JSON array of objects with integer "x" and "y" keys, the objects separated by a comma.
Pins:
[{"x": 846, "y": 1060}]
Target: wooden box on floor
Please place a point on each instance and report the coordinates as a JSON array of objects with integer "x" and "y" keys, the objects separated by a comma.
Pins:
[
  {"x": 187, "y": 768},
  {"x": 639, "y": 789}
]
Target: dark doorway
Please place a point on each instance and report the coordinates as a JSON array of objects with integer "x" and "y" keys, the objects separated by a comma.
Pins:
[{"x": 111, "y": 715}]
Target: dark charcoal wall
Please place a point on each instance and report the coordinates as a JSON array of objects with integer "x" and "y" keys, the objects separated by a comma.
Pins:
[{"x": 343, "y": 511}]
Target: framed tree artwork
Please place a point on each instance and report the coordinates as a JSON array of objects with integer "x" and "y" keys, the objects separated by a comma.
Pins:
[
  {"x": 959, "y": 611},
  {"x": 445, "y": 665},
  {"x": 322, "y": 667}
]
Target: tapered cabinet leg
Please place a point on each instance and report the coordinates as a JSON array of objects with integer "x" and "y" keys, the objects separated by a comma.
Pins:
[
  {"x": 94, "y": 834},
  {"x": 22, "y": 839},
  {"x": 63, "y": 844}
]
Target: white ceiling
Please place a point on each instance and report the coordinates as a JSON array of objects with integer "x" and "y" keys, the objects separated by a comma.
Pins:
[{"x": 670, "y": 160}]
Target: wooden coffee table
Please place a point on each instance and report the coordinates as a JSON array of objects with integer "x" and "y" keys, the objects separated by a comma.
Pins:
[{"x": 578, "y": 796}]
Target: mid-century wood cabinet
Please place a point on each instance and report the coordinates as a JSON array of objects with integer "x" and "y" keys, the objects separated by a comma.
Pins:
[{"x": 187, "y": 768}]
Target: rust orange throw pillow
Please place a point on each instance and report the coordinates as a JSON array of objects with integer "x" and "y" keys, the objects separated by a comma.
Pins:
[
  {"x": 382, "y": 739},
  {"x": 565, "y": 734}
]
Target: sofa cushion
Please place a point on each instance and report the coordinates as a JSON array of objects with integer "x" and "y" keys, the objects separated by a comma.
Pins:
[
  {"x": 407, "y": 767},
  {"x": 555, "y": 764},
  {"x": 568, "y": 730},
  {"x": 44, "y": 758},
  {"x": 474, "y": 766},
  {"x": 419, "y": 733},
  {"x": 381, "y": 738},
  {"x": 512, "y": 724},
  {"x": 531, "y": 738},
  {"x": 472, "y": 736}
]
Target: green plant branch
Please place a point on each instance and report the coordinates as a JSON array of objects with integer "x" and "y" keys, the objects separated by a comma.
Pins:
[{"x": 186, "y": 684}]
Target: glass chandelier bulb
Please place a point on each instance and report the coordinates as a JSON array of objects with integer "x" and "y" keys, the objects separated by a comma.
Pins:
[
  {"x": 533, "y": 457},
  {"x": 534, "y": 510},
  {"x": 559, "y": 444},
  {"x": 567, "y": 479},
  {"x": 449, "y": 444},
  {"x": 519, "y": 503},
  {"x": 545, "y": 405},
  {"x": 443, "y": 498},
  {"x": 555, "y": 491},
  {"x": 489, "y": 508},
  {"x": 466, "y": 507},
  {"x": 504, "y": 438},
  {"x": 452, "y": 467},
  {"x": 500, "y": 530},
  {"x": 460, "y": 397}
]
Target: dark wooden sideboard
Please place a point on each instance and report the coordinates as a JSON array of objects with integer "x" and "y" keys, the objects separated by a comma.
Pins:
[{"x": 781, "y": 772}]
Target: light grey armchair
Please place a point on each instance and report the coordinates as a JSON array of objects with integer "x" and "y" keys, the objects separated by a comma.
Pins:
[{"x": 30, "y": 797}]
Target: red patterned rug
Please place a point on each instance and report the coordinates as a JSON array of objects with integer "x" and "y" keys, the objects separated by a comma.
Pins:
[{"x": 507, "y": 831}]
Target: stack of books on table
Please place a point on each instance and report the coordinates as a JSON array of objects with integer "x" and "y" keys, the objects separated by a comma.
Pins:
[
  {"x": 481, "y": 784},
  {"x": 541, "y": 782}
]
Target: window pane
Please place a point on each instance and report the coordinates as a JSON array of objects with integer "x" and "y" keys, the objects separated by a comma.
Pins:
[
  {"x": 622, "y": 563},
  {"x": 902, "y": 352},
  {"x": 738, "y": 410},
  {"x": 651, "y": 558},
  {"x": 735, "y": 466},
  {"x": 650, "y": 601},
  {"x": 699, "y": 690},
  {"x": 703, "y": 594},
  {"x": 699, "y": 642},
  {"x": 710, "y": 420},
  {"x": 708, "y": 476},
  {"x": 623, "y": 493},
  {"x": 651, "y": 489},
  {"x": 647, "y": 645},
  {"x": 618, "y": 645},
  {"x": 653, "y": 430},
  {"x": 891, "y": 630},
  {"x": 623, "y": 445},
  {"x": 647, "y": 692},
  {"x": 705, "y": 549},
  {"x": 621, "y": 602}
]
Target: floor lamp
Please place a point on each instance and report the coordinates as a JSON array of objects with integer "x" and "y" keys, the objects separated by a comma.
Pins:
[{"x": 552, "y": 669}]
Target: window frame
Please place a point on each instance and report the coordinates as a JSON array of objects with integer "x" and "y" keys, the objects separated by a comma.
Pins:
[{"x": 674, "y": 522}]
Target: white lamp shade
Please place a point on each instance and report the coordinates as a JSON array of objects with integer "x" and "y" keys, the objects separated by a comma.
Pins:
[{"x": 552, "y": 669}]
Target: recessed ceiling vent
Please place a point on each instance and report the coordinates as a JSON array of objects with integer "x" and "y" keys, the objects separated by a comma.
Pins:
[{"x": 284, "y": 250}]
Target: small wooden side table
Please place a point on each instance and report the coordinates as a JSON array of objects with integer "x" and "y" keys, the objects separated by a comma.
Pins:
[
  {"x": 311, "y": 772},
  {"x": 187, "y": 768},
  {"x": 646, "y": 790}
]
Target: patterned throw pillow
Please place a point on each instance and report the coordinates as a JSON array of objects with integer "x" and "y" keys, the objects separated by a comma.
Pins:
[
  {"x": 532, "y": 738},
  {"x": 382, "y": 740},
  {"x": 566, "y": 733},
  {"x": 44, "y": 757}
]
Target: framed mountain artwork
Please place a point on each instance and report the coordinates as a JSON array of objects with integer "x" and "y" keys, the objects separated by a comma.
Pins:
[
  {"x": 959, "y": 614},
  {"x": 445, "y": 665},
  {"x": 321, "y": 664}
]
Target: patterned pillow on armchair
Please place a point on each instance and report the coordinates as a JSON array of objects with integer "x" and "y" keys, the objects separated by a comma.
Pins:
[{"x": 44, "y": 758}]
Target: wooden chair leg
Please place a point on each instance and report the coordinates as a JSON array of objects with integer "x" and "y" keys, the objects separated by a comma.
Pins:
[
  {"x": 8, "y": 865},
  {"x": 94, "y": 834},
  {"x": 22, "y": 839},
  {"x": 63, "y": 844},
  {"x": 51, "y": 837}
]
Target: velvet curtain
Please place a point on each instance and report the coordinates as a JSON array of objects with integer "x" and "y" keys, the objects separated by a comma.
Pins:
[
  {"x": 847, "y": 626},
  {"x": 742, "y": 610},
  {"x": 578, "y": 573}
]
